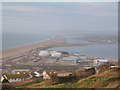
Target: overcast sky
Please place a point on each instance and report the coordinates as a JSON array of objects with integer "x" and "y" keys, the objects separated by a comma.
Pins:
[{"x": 59, "y": 17}]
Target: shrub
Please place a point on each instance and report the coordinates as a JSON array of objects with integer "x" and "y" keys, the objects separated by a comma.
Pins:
[{"x": 7, "y": 86}]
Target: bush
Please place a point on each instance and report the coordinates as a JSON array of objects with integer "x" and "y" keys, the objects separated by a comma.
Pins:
[
  {"x": 6, "y": 86},
  {"x": 59, "y": 80}
]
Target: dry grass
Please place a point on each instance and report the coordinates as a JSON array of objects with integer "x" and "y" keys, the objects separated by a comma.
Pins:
[{"x": 107, "y": 79}]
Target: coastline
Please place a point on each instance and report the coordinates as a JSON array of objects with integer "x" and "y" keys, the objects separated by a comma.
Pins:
[
  {"x": 24, "y": 49},
  {"x": 27, "y": 56},
  {"x": 54, "y": 42},
  {"x": 29, "y": 43}
]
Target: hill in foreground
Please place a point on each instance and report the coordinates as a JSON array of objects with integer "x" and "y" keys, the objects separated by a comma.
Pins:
[{"x": 106, "y": 79}]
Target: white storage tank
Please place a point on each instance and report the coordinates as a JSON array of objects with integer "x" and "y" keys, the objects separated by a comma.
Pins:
[
  {"x": 56, "y": 54},
  {"x": 44, "y": 53},
  {"x": 103, "y": 60},
  {"x": 51, "y": 52}
]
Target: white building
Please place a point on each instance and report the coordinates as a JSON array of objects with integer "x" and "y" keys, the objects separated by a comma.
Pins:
[
  {"x": 64, "y": 74},
  {"x": 51, "y": 52},
  {"x": 83, "y": 57},
  {"x": 114, "y": 67},
  {"x": 99, "y": 61},
  {"x": 69, "y": 59},
  {"x": 96, "y": 62},
  {"x": 15, "y": 77},
  {"x": 56, "y": 54},
  {"x": 49, "y": 74},
  {"x": 18, "y": 71},
  {"x": 88, "y": 67},
  {"x": 44, "y": 53},
  {"x": 103, "y": 60},
  {"x": 37, "y": 74},
  {"x": 46, "y": 75}
]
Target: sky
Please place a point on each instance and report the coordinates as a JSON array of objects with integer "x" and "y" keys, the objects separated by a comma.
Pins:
[
  {"x": 60, "y": 0},
  {"x": 62, "y": 17}
]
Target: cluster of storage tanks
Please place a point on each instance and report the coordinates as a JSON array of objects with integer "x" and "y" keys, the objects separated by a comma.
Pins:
[{"x": 50, "y": 53}]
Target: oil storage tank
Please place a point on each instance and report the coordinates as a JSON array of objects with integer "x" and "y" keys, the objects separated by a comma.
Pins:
[
  {"x": 56, "y": 54},
  {"x": 44, "y": 53}
]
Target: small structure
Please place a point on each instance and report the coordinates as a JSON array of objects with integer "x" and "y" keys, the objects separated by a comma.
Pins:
[
  {"x": 46, "y": 75},
  {"x": 114, "y": 67},
  {"x": 83, "y": 58},
  {"x": 49, "y": 74},
  {"x": 109, "y": 41},
  {"x": 88, "y": 67},
  {"x": 56, "y": 54},
  {"x": 77, "y": 54},
  {"x": 100, "y": 61},
  {"x": 3, "y": 79},
  {"x": 65, "y": 53},
  {"x": 84, "y": 63},
  {"x": 37, "y": 74},
  {"x": 51, "y": 52},
  {"x": 96, "y": 62},
  {"x": 18, "y": 71},
  {"x": 64, "y": 74},
  {"x": 44, "y": 53},
  {"x": 69, "y": 59},
  {"x": 15, "y": 77},
  {"x": 103, "y": 60}
]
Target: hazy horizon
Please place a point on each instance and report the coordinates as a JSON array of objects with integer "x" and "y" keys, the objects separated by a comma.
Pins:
[{"x": 60, "y": 18}]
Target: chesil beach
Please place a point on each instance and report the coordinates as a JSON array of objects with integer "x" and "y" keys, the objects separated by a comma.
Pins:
[
  {"x": 19, "y": 44},
  {"x": 11, "y": 40},
  {"x": 24, "y": 43}
]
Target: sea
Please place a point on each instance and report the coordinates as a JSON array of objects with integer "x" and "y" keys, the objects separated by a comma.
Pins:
[
  {"x": 10, "y": 40},
  {"x": 102, "y": 51},
  {"x": 97, "y": 50}
]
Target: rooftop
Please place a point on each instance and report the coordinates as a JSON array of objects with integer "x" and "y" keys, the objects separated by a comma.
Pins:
[{"x": 14, "y": 76}]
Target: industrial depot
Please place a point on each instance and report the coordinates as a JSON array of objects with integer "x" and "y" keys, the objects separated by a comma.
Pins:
[
  {"x": 76, "y": 58},
  {"x": 60, "y": 63}
]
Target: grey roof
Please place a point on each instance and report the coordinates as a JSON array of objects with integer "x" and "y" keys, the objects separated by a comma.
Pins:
[{"x": 70, "y": 58}]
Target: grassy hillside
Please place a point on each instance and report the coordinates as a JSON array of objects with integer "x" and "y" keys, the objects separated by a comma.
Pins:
[{"x": 106, "y": 79}]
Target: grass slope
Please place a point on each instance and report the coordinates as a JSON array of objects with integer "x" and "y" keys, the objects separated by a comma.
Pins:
[{"x": 107, "y": 79}]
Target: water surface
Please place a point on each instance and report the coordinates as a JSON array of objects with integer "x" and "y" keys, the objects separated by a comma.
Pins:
[
  {"x": 14, "y": 40},
  {"x": 110, "y": 51}
]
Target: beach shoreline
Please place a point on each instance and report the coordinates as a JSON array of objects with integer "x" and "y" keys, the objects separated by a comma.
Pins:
[
  {"x": 24, "y": 49},
  {"x": 55, "y": 41},
  {"x": 28, "y": 43}
]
